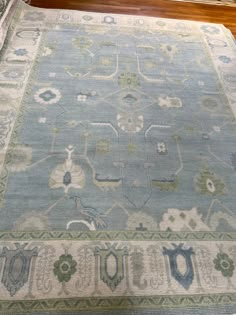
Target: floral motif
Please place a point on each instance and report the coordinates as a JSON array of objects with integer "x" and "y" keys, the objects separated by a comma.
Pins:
[
  {"x": 139, "y": 22},
  {"x": 20, "y": 158},
  {"x": 82, "y": 42},
  {"x": 105, "y": 61},
  {"x": 109, "y": 20},
  {"x": 162, "y": 148},
  {"x": 67, "y": 175},
  {"x": 34, "y": 16},
  {"x": 47, "y": 51},
  {"x": 160, "y": 23},
  {"x": 166, "y": 184},
  {"x": 224, "y": 264},
  {"x": 65, "y": 16},
  {"x": 169, "y": 50},
  {"x": 47, "y": 96},
  {"x": 42, "y": 120},
  {"x": 20, "y": 52},
  {"x": 64, "y": 268},
  {"x": 13, "y": 74},
  {"x": 209, "y": 183},
  {"x": 87, "y": 17},
  {"x": 170, "y": 102},
  {"x": 72, "y": 123},
  {"x": 128, "y": 79},
  {"x": 225, "y": 59},
  {"x": 82, "y": 97},
  {"x": 141, "y": 221},
  {"x": 210, "y": 29},
  {"x": 216, "y": 128},
  {"x": 131, "y": 122}
]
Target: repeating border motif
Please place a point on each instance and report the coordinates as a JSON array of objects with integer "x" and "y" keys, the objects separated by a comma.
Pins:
[
  {"x": 68, "y": 269},
  {"x": 116, "y": 235},
  {"x": 117, "y": 303}
]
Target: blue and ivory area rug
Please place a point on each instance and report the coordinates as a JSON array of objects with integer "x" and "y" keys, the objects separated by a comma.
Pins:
[{"x": 117, "y": 165}]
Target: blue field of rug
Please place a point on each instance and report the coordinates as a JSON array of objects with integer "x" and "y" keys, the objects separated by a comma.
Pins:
[{"x": 117, "y": 165}]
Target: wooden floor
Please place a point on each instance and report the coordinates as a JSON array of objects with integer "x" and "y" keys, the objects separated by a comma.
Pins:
[{"x": 159, "y": 8}]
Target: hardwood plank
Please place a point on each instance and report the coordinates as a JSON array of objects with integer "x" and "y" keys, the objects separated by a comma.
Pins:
[{"x": 158, "y": 8}]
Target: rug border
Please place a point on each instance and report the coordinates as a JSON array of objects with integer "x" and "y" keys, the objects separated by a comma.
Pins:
[
  {"x": 128, "y": 235},
  {"x": 115, "y": 303}
]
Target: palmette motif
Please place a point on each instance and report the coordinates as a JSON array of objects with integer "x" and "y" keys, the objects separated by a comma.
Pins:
[{"x": 106, "y": 268}]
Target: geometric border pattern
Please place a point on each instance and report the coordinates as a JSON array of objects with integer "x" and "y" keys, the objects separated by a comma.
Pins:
[
  {"x": 116, "y": 303},
  {"x": 116, "y": 235}
]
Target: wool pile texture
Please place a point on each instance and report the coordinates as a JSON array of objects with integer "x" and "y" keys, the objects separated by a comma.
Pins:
[{"x": 117, "y": 165}]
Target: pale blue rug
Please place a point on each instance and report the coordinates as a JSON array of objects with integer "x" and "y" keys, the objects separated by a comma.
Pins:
[{"x": 117, "y": 165}]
